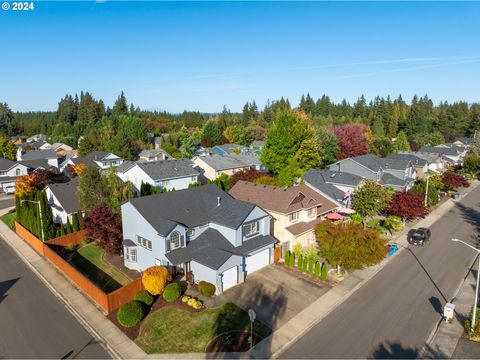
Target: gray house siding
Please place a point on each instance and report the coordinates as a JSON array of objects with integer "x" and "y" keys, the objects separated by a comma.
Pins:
[{"x": 352, "y": 167}]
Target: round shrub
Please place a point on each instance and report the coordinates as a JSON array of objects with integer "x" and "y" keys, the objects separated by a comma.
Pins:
[
  {"x": 144, "y": 297},
  {"x": 186, "y": 298},
  {"x": 206, "y": 288},
  {"x": 172, "y": 292},
  {"x": 197, "y": 305},
  {"x": 155, "y": 278},
  {"x": 130, "y": 314},
  {"x": 191, "y": 302}
]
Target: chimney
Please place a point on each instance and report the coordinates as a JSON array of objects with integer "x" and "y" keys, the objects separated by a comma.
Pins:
[{"x": 219, "y": 200}]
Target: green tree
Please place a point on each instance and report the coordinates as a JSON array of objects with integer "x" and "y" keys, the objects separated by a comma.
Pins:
[
  {"x": 120, "y": 107},
  {"x": 324, "y": 272},
  {"x": 419, "y": 189},
  {"x": 68, "y": 227},
  {"x": 224, "y": 182},
  {"x": 471, "y": 163},
  {"x": 317, "y": 269},
  {"x": 210, "y": 133},
  {"x": 91, "y": 189},
  {"x": 401, "y": 142},
  {"x": 371, "y": 198},
  {"x": 75, "y": 223},
  {"x": 300, "y": 262},
  {"x": 8, "y": 150},
  {"x": 327, "y": 146},
  {"x": 7, "y": 123},
  {"x": 378, "y": 129}
]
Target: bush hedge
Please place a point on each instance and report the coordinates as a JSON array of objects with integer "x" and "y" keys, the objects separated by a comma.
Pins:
[
  {"x": 130, "y": 314},
  {"x": 206, "y": 288},
  {"x": 324, "y": 272},
  {"x": 287, "y": 258},
  {"x": 143, "y": 296},
  {"x": 317, "y": 269},
  {"x": 291, "y": 262},
  {"x": 172, "y": 292},
  {"x": 300, "y": 262}
]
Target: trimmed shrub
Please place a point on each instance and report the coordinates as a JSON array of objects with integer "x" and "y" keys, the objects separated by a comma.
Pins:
[
  {"x": 130, "y": 314},
  {"x": 317, "y": 269},
  {"x": 197, "y": 305},
  {"x": 155, "y": 278},
  {"x": 206, "y": 288},
  {"x": 70, "y": 247},
  {"x": 310, "y": 266},
  {"x": 324, "y": 272},
  {"x": 287, "y": 258},
  {"x": 300, "y": 262},
  {"x": 191, "y": 302},
  {"x": 304, "y": 267},
  {"x": 143, "y": 296},
  {"x": 468, "y": 324},
  {"x": 185, "y": 298},
  {"x": 172, "y": 292},
  {"x": 292, "y": 260}
]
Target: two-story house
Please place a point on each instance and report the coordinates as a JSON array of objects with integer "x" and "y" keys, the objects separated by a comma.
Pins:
[
  {"x": 101, "y": 159},
  {"x": 9, "y": 171},
  {"x": 203, "y": 230},
  {"x": 451, "y": 154},
  {"x": 295, "y": 210},
  {"x": 153, "y": 155},
  {"x": 420, "y": 165},
  {"x": 395, "y": 173},
  {"x": 62, "y": 199},
  {"x": 163, "y": 174},
  {"x": 47, "y": 155}
]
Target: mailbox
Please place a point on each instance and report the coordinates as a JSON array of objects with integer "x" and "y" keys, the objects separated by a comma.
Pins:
[{"x": 448, "y": 311}]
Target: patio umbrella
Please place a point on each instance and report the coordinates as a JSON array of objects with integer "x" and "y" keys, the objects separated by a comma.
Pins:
[
  {"x": 334, "y": 216},
  {"x": 347, "y": 211}
]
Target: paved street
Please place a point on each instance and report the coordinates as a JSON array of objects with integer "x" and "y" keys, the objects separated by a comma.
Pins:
[
  {"x": 395, "y": 312},
  {"x": 6, "y": 202},
  {"x": 33, "y": 322}
]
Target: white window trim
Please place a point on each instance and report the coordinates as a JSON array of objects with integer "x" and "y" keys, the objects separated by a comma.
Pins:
[
  {"x": 145, "y": 243},
  {"x": 290, "y": 216},
  {"x": 179, "y": 240},
  {"x": 252, "y": 231}
]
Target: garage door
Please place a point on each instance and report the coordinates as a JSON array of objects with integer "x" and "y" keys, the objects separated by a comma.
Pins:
[
  {"x": 230, "y": 278},
  {"x": 257, "y": 261}
]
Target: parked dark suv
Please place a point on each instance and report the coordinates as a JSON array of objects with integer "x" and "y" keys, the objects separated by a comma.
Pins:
[{"x": 418, "y": 236}]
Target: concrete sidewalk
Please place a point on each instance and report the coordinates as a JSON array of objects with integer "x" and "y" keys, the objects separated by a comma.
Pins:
[
  {"x": 294, "y": 329},
  {"x": 84, "y": 310}
]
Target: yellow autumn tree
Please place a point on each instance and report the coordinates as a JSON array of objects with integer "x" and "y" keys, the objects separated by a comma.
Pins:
[{"x": 155, "y": 278}]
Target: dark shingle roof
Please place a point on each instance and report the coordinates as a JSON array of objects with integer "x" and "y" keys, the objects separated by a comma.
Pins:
[
  {"x": 439, "y": 150},
  {"x": 66, "y": 194},
  {"x": 389, "y": 179},
  {"x": 416, "y": 161},
  {"x": 124, "y": 166},
  {"x": 315, "y": 178},
  {"x": 192, "y": 207},
  {"x": 90, "y": 159},
  {"x": 39, "y": 154},
  {"x": 212, "y": 249},
  {"x": 223, "y": 162},
  {"x": 395, "y": 163},
  {"x": 6, "y": 164},
  {"x": 370, "y": 161},
  {"x": 168, "y": 169},
  {"x": 35, "y": 164}
]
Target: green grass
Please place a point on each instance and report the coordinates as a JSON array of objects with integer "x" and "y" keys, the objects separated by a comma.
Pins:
[
  {"x": 89, "y": 260},
  {"x": 174, "y": 330},
  {"x": 9, "y": 219}
]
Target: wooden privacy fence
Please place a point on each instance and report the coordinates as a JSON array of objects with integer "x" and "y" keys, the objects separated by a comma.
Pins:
[{"x": 108, "y": 302}]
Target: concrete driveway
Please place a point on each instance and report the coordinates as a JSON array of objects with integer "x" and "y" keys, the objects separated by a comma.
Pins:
[{"x": 275, "y": 293}]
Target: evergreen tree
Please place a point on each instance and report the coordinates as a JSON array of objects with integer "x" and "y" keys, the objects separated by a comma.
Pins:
[
  {"x": 210, "y": 133},
  {"x": 378, "y": 129},
  {"x": 47, "y": 217},
  {"x": 7, "y": 123},
  {"x": 68, "y": 227},
  {"x": 401, "y": 142},
  {"x": 120, "y": 107},
  {"x": 75, "y": 223}
]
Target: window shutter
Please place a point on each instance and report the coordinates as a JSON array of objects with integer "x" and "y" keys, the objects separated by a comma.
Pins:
[
  {"x": 167, "y": 244},
  {"x": 182, "y": 241}
]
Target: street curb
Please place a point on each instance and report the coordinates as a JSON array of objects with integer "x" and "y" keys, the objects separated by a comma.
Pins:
[{"x": 99, "y": 338}]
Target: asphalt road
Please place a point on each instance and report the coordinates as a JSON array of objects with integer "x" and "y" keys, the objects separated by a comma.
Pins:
[
  {"x": 33, "y": 322},
  {"x": 393, "y": 314},
  {"x": 6, "y": 202}
]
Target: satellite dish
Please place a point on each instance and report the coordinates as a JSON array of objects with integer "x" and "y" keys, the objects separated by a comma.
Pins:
[{"x": 252, "y": 315}]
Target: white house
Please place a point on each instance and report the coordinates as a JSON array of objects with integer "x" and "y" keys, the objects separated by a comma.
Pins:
[
  {"x": 103, "y": 160},
  {"x": 153, "y": 155},
  {"x": 62, "y": 199},
  {"x": 9, "y": 171},
  {"x": 163, "y": 174},
  {"x": 48, "y": 155}
]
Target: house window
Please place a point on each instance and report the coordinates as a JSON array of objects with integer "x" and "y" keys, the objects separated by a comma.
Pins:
[
  {"x": 194, "y": 178},
  {"x": 3, "y": 173},
  {"x": 250, "y": 229},
  {"x": 312, "y": 212},
  {"x": 166, "y": 182},
  {"x": 147, "y": 244},
  {"x": 190, "y": 232},
  {"x": 175, "y": 240},
  {"x": 133, "y": 255},
  {"x": 293, "y": 216},
  {"x": 17, "y": 172}
]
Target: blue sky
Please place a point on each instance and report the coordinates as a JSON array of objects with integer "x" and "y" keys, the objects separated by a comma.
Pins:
[{"x": 201, "y": 55}]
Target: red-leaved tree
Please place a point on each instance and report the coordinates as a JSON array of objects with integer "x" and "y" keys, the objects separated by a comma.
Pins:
[
  {"x": 407, "y": 205},
  {"x": 246, "y": 175},
  {"x": 454, "y": 181},
  {"x": 105, "y": 227},
  {"x": 351, "y": 140}
]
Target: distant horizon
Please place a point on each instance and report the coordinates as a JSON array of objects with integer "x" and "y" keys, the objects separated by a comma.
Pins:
[{"x": 199, "y": 56}]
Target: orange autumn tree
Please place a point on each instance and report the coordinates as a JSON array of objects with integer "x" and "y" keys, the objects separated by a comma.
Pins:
[
  {"x": 155, "y": 278},
  {"x": 37, "y": 180},
  {"x": 75, "y": 170}
]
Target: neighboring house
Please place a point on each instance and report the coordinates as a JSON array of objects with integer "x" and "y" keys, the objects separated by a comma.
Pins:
[
  {"x": 101, "y": 159},
  {"x": 436, "y": 162},
  {"x": 36, "y": 137},
  {"x": 226, "y": 149},
  {"x": 338, "y": 187},
  {"x": 38, "y": 164},
  {"x": 419, "y": 164},
  {"x": 202, "y": 230},
  {"x": 257, "y": 146},
  {"x": 296, "y": 210},
  {"x": 214, "y": 165},
  {"x": 60, "y": 147},
  {"x": 62, "y": 199},
  {"x": 9, "y": 171},
  {"x": 153, "y": 155},
  {"x": 163, "y": 174},
  {"x": 451, "y": 154},
  {"x": 48, "y": 155},
  {"x": 464, "y": 142},
  {"x": 395, "y": 173}
]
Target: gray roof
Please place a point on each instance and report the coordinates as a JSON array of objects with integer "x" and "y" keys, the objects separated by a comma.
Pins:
[
  {"x": 370, "y": 161},
  {"x": 389, "y": 179},
  {"x": 168, "y": 169},
  {"x": 151, "y": 153},
  {"x": 6, "y": 164},
  {"x": 229, "y": 148},
  {"x": 223, "y": 162},
  {"x": 66, "y": 194},
  {"x": 395, "y": 163},
  {"x": 35, "y": 164},
  {"x": 251, "y": 159},
  {"x": 39, "y": 154},
  {"x": 439, "y": 150},
  {"x": 124, "y": 166},
  {"x": 320, "y": 180},
  {"x": 192, "y": 207},
  {"x": 416, "y": 161},
  {"x": 90, "y": 159},
  {"x": 431, "y": 158},
  {"x": 464, "y": 140},
  {"x": 212, "y": 249}
]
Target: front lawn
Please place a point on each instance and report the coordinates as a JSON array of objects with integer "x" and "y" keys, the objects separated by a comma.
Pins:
[
  {"x": 9, "y": 219},
  {"x": 90, "y": 261},
  {"x": 174, "y": 330}
]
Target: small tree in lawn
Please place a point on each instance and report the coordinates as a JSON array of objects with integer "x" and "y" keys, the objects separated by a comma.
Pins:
[
  {"x": 104, "y": 226},
  {"x": 324, "y": 272},
  {"x": 407, "y": 205},
  {"x": 350, "y": 245},
  {"x": 454, "y": 181},
  {"x": 155, "y": 278},
  {"x": 371, "y": 198}
]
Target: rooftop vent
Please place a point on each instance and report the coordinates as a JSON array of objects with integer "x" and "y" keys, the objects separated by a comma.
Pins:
[{"x": 219, "y": 200}]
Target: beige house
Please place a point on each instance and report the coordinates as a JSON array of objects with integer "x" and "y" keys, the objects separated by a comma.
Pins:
[
  {"x": 295, "y": 210},
  {"x": 215, "y": 165}
]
